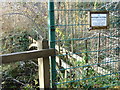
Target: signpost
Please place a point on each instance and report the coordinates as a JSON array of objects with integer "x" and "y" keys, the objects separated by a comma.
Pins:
[{"x": 99, "y": 20}]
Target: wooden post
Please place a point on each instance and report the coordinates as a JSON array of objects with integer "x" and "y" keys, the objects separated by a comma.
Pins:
[
  {"x": 86, "y": 55},
  {"x": 44, "y": 67},
  {"x": 98, "y": 53},
  {"x": 119, "y": 53}
]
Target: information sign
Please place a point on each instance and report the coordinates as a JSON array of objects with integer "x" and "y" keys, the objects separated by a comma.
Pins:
[{"x": 99, "y": 20}]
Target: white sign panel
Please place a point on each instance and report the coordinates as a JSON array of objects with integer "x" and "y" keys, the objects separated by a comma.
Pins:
[{"x": 98, "y": 19}]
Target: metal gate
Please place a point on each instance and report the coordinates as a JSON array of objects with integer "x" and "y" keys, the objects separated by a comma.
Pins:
[{"x": 84, "y": 58}]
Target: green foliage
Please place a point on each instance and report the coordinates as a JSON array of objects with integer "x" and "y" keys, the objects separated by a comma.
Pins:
[
  {"x": 90, "y": 83},
  {"x": 15, "y": 41},
  {"x": 23, "y": 71}
]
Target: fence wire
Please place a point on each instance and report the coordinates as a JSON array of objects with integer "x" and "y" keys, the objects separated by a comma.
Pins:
[{"x": 86, "y": 58}]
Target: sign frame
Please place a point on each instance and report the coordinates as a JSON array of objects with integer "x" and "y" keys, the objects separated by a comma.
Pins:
[{"x": 99, "y": 27}]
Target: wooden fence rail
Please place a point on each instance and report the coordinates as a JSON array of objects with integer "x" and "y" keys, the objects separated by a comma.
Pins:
[
  {"x": 26, "y": 55},
  {"x": 42, "y": 54}
]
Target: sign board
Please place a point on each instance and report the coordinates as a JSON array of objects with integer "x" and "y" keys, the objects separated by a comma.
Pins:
[{"x": 99, "y": 20}]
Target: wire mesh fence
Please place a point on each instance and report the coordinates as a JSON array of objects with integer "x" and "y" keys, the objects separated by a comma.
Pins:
[{"x": 86, "y": 58}]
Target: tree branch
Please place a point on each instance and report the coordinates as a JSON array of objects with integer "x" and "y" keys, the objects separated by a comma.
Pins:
[
  {"x": 17, "y": 81},
  {"x": 40, "y": 35}
]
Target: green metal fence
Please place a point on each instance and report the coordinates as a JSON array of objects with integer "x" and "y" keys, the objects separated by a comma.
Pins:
[{"x": 84, "y": 58}]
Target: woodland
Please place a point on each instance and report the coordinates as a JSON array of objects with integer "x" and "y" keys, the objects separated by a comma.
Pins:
[{"x": 23, "y": 23}]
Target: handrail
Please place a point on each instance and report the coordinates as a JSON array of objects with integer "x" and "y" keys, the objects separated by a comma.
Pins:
[
  {"x": 26, "y": 55},
  {"x": 42, "y": 53}
]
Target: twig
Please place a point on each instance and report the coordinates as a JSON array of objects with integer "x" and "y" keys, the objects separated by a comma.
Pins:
[
  {"x": 34, "y": 63},
  {"x": 16, "y": 81},
  {"x": 31, "y": 20}
]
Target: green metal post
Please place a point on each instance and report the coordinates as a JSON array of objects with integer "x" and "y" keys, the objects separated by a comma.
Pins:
[{"x": 51, "y": 23}]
